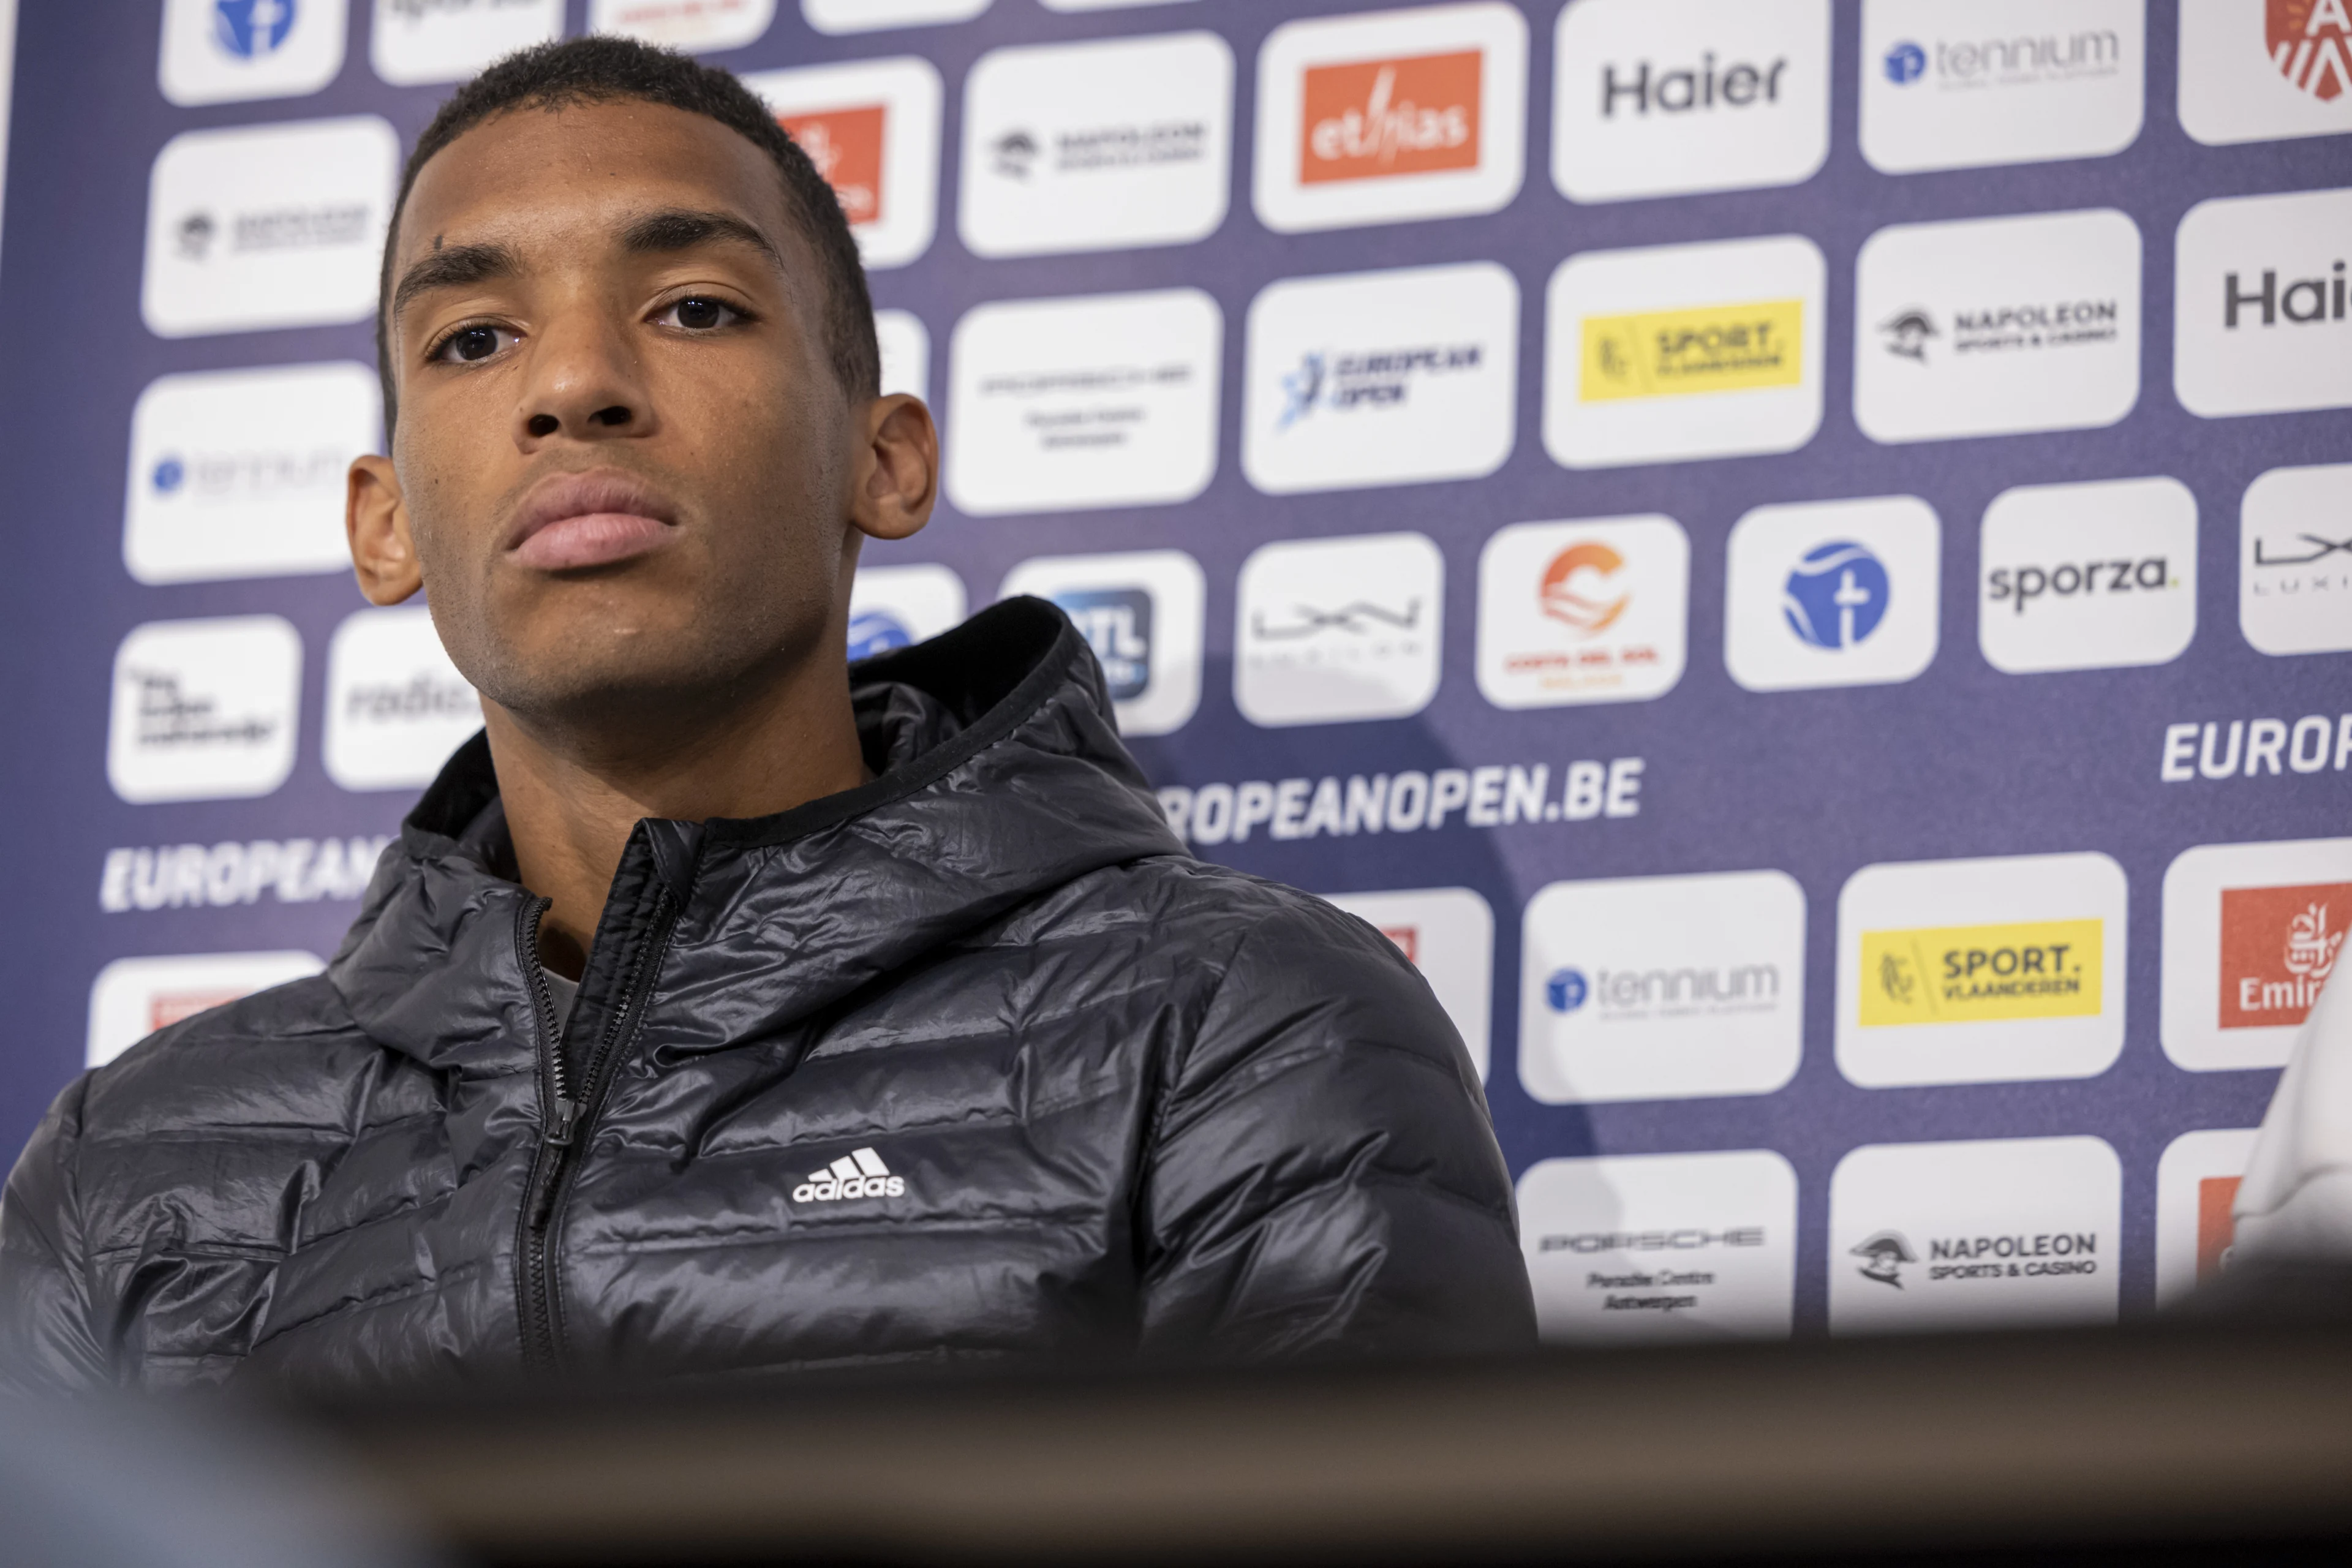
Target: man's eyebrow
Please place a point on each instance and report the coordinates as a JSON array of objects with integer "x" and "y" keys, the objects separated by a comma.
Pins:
[
  {"x": 457, "y": 267},
  {"x": 681, "y": 228}
]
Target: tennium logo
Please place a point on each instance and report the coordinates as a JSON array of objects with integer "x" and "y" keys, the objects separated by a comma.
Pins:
[{"x": 1956, "y": 974}]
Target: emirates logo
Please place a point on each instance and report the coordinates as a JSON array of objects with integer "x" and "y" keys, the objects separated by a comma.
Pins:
[{"x": 2311, "y": 43}]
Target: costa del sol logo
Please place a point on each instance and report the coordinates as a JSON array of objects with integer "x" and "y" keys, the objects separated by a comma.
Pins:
[
  {"x": 1579, "y": 589},
  {"x": 1377, "y": 118},
  {"x": 1573, "y": 613},
  {"x": 2311, "y": 43},
  {"x": 2279, "y": 945}
]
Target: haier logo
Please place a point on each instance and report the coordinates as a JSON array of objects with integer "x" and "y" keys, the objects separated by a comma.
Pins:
[
  {"x": 1835, "y": 596},
  {"x": 1337, "y": 629},
  {"x": 1391, "y": 116},
  {"x": 1095, "y": 146},
  {"x": 220, "y": 51},
  {"x": 2000, "y": 81},
  {"x": 2311, "y": 43},
  {"x": 2259, "y": 312},
  {"x": 1582, "y": 612},
  {"x": 1142, "y": 612},
  {"x": 872, "y": 128},
  {"x": 1117, "y": 623},
  {"x": 249, "y": 27},
  {"x": 2088, "y": 576},
  {"x": 2279, "y": 945},
  {"x": 1697, "y": 95},
  {"x": 1662, "y": 988}
]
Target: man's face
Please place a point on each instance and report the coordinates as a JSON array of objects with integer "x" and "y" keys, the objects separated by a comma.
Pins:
[{"x": 621, "y": 457}]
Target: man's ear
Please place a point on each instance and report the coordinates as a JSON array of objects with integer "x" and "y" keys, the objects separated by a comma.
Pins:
[
  {"x": 375, "y": 520},
  {"x": 898, "y": 471}
]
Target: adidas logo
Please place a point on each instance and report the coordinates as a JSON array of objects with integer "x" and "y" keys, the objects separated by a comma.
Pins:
[{"x": 860, "y": 1173}]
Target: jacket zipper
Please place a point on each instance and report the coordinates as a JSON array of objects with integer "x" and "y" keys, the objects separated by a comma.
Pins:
[{"x": 570, "y": 1106}]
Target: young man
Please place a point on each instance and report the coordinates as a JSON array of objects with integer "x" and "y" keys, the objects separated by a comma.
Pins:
[{"x": 722, "y": 1008}]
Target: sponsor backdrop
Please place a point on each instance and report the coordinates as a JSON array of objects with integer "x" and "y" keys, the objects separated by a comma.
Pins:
[{"x": 1796, "y": 557}]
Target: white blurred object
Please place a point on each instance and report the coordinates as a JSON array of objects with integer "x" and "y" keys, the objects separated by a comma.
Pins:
[{"x": 2296, "y": 1200}]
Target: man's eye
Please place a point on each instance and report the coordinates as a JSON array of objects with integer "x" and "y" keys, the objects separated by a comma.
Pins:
[
  {"x": 700, "y": 315},
  {"x": 468, "y": 344}
]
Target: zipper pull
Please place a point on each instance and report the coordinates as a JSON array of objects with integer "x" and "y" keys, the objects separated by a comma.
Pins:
[{"x": 565, "y": 1118}]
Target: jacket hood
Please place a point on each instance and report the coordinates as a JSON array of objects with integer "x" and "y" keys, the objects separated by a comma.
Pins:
[{"x": 1000, "y": 777}]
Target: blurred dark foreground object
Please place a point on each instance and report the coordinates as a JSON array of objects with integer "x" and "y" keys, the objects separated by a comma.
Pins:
[{"x": 2227, "y": 1438}]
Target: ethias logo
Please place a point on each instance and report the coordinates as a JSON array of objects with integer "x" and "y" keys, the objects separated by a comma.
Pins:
[{"x": 1378, "y": 118}]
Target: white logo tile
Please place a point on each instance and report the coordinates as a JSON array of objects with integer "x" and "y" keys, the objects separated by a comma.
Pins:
[
  {"x": 1983, "y": 971},
  {"x": 2196, "y": 1185},
  {"x": 1995, "y": 326},
  {"x": 906, "y": 346},
  {"x": 417, "y": 42},
  {"x": 1380, "y": 378},
  {"x": 1143, "y": 612},
  {"x": 268, "y": 226},
  {"x": 1948, "y": 86},
  {"x": 2259, "y": 302},
  {"x": 690, "y": 25},
  {"x": 1106, "y": 400},
  {"x": 1684, "y": 351},
  {"x": 203, "y": 709},
  {"x": 397, "y": 707},
  {"x": 897, "y": 606},
  {"x": 133, "y": 997},
  {"x": 1390, "y": 117},
  {"x": 1662, "y": 1248},
  {"x": 1663, "y": 98},
  {"x": 240, "y": 473},
  {"x": 1663, "y": 987},
  {"x": 2006, "y": 1232},
  {"x": 1449, "y": 935},
  {"x": 872, "y": 128},
  {"x": 1583, "y": 612},
  {"x": 1105, "y": 145},
  {"x": 873, "y": 15},
  {"x": 227, "y": 51},
  {"x": 1843, "y": 593},
  {"x": 2256, "y": 70},
  {"x": 1328, "y": 630},
  {"x": 2100, "y": 576},
  {"x": 2251, "y": 933},
  {"x": 2295, "y": 560}
]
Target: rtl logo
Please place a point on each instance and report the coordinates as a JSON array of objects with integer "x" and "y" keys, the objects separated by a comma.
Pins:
[
  {"x": 2279, "y": 945},
  {"x": 1376, "y": 118},
  {"x": 845, "y": 145},
  {"x": 2311, "y": 43}
]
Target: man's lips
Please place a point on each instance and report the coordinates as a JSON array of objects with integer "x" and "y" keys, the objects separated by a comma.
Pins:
[{"x": 594, "y": 519}]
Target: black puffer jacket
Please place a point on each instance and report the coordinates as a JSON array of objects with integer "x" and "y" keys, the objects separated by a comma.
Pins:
[{"x": 972, "y": 1061}]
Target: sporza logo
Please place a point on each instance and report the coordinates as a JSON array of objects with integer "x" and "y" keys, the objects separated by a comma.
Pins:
[
  {"x": 2098, "y": 575},
  {"x": 860, "y": 1173},
  {"x": 1835, "y": 596}
]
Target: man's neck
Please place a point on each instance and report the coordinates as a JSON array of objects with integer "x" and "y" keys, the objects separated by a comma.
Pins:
[{"x": 573, "y": 794}]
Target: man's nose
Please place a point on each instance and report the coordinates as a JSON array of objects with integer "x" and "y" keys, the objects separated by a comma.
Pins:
[{"x": 585, "y": 383}]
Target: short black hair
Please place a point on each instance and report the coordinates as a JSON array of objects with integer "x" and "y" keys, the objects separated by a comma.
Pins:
[{"x": 602, "y": 69}]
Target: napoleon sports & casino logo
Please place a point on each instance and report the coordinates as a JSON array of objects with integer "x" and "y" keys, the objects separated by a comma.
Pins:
[
  {"x": 2279, "y": 945},
  {"x": 1373, "y": 118},
  {"x": 845, "y": 145},
  {"x": 2310, "y": 42},
  {"x": 1985, "y": 973}
]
